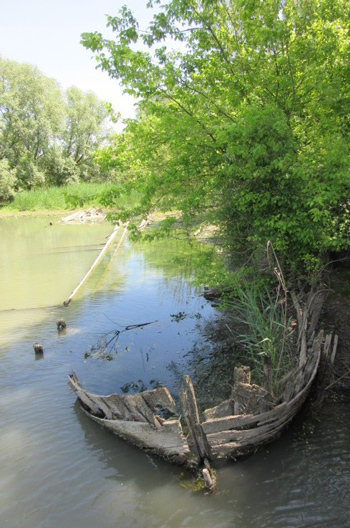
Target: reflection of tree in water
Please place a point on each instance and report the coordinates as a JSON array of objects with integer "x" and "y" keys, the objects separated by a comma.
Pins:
[
  {"x": 210, "y": 363},
  {"x": 176, "y": 261}
]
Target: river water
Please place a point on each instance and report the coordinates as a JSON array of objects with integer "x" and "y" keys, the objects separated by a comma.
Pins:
[{"x": 58, "y": 468}]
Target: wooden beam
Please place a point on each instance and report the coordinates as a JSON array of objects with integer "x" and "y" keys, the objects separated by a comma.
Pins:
[
  {"x": 190, "y": 409},
  {"x": 99, "y": 258}
]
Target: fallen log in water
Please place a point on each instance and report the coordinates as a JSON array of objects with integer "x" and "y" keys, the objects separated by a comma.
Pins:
[{"x": 96, "y": 262}]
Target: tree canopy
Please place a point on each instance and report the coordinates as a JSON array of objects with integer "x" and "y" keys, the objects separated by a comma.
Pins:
[
  {"x": 47, "y": 136},
  {"x": 245, "y": 121}
]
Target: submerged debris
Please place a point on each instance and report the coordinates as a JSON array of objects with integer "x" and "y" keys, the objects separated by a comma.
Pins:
[
  {"x": 82, "y": 217},
  {"x": 107, "y": 345}
]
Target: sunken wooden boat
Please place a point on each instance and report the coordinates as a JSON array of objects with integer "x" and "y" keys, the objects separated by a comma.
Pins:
[{"x": 238, "y": 426}]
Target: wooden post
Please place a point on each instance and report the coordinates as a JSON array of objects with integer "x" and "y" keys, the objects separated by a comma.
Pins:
[
  {"x": 39, "y": 351},
  {"x": 189, "y": 405},
  {"x": 200, "y": 443},
  {"x": 61, "y": 324},
  {"x": 108, "y": 243},
  {"x": 334, "y": 351},
  {"x": 38, "y": 348}
]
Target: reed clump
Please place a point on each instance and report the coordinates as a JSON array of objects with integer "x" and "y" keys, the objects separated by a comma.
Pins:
[{"x": 75, "y": 196}]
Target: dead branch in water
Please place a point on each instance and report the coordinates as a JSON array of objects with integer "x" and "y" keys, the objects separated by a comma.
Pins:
[{"x": 107, "y": 343}]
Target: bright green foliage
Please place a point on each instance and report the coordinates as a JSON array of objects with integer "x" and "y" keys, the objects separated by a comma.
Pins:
[
  {"x": 7, "y": 181},
  {"x": 85, "y": 130},
  {"x": 31, "y": 118},
  {"x": 56, "y": 198},
  {"x": 248, "y": 124},
  {"x": 47, "y": 136}
]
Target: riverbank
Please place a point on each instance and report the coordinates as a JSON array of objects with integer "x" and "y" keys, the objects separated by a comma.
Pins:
[
  {"x": 68, "y": 198},
  {"x": 34, "y": 214},
  {"x": 336, "y": 312}
]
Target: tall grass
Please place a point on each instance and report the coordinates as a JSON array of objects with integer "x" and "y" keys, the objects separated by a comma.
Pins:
[
  {"x": 267, "y": 327},
  {"x": 264, "y": 332},
  {"x": 77, "y": 196}
]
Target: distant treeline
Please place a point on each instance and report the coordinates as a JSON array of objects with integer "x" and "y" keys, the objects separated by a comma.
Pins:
[{"x": 47, "y": 136}]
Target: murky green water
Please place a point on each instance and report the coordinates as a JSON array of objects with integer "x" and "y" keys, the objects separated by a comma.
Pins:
[{"x": 60, "y": 470}]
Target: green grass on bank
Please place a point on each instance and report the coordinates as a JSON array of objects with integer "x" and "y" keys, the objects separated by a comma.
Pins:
[{"x": 77, "y": 196}]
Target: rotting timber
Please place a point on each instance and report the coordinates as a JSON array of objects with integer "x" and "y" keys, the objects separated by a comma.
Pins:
[{"x": 250, "y": 418}]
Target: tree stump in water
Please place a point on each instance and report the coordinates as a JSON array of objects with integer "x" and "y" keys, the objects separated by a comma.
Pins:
[
  {"x": 39, "y": 351},
  {"x": 61, "y": 324}
]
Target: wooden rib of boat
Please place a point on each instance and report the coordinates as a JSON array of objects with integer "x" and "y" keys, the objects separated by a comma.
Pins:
[{"x": 238, "y": 426}]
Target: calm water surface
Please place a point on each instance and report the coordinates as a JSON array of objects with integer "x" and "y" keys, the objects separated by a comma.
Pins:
[{"x": 60, "y": 470}]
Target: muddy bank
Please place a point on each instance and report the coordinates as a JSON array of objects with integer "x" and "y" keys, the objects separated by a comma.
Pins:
[{"x": 336, "y": 318}]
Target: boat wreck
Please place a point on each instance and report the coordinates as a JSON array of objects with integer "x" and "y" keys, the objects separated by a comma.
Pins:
[{"x": 250, "y": 418}]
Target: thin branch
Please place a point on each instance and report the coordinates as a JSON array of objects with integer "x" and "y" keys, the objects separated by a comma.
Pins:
[
  {"x": 189, "y": 113},
  {"x": 195, "y": 90}
]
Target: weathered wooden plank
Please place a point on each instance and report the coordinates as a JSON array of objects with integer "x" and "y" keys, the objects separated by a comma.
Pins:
[
  {"x": 289, "y": 390},
  {"x": 247, "y": 445},
  {"x": 120, "y": 411},
  {"x": 297, "y": 308},
  {"x": 249, "y": 399},
  {"x": 225, "y": 408},
  {"x": 327, "y": 345},
  {"x": 316, "y": 309},
  {"x": 134, "y": 412},
  {"x": 314, "y": 354},
  {"x": 249, "y": 421},
  {"x": 303, "y": 348},
  {"x": 334, "y": 351},
  {"x": 230, "y": 422},
  {"x": 242, "y": 375},
  {"x": 146, "y": 412},
  {"x": 105, "y": 408},
  {"x": 159, "y": 398},
  {"x": 89, "y": 403},
  {"x": 190, "y": 409},
  {"x": 248, "y": 435},
  {"x": 166, "y": 441}
]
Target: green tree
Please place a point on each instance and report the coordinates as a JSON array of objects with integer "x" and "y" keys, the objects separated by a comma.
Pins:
[
  {"x": 87, "y": 129},
  {"x": 48, "y": 137},
  {"x": 7, "y": 181},
  {"x": 251, "y": 117},
  {"x": 31, "y": 119}
]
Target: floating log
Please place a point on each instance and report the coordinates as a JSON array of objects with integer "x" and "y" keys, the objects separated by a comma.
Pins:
[{"x": 100, "y": 256}]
